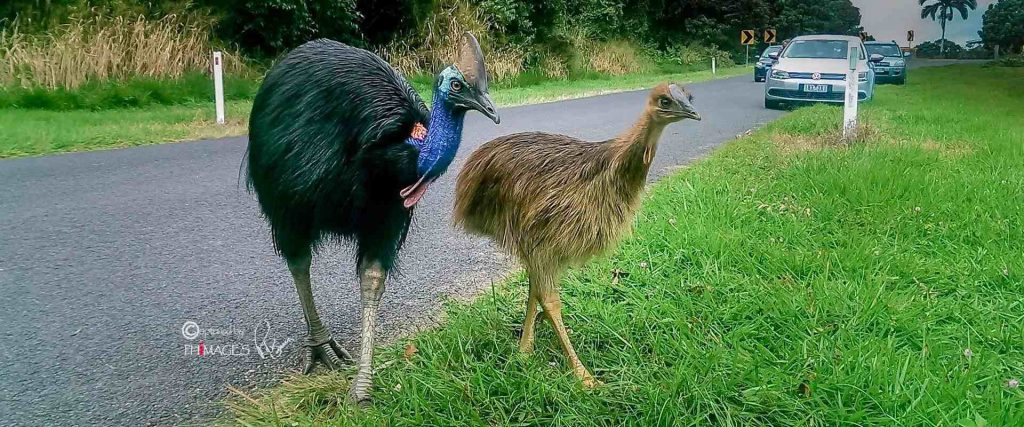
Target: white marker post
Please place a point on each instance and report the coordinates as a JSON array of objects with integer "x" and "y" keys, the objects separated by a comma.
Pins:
[
  {"x": 218, "y": 85},
  {"x": 714, "y": 68},
  {"x": 852, "y": 90}
]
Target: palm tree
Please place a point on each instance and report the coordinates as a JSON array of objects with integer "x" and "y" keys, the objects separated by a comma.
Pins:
[{"x": 944, "y": 10}]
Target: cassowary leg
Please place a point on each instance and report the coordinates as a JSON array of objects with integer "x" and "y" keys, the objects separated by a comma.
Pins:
[
  {"x": 320, "y": 347},
  {"x": 526, "y": 340},
  {"x": 371, "y": 284},
  {"x": 552, "y": 304}
]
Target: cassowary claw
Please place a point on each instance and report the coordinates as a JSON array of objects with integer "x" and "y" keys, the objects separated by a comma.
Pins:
[{"x": 330, "y": 354}]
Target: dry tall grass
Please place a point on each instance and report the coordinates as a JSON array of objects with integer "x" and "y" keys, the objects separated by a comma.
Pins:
[
  {"x": 107, "y": 48},
  {"x": 436, "y": 45},
  {"x": 614, "y": 57}
]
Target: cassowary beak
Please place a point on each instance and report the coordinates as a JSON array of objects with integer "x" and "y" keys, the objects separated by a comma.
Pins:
[{"x": 485, "y": 106}]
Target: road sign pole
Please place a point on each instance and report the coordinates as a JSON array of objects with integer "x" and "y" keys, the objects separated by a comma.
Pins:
[
  {"x": 218, "y": 85},
  {"x": 747, "y": 60},
  {"x": 714, "y": 68},
  {"x": 852, "y": 89}
]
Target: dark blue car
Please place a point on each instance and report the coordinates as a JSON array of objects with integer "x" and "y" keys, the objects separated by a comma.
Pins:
[{"x": 764, "y": 63}]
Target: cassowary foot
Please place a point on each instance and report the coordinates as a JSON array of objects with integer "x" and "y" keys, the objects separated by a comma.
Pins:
[
  {"x": 526, "y": 346},
  {"x": 328, "y": 353},
  {"x": 588, "y": 380},
  {"x": 360, "y": 396}
]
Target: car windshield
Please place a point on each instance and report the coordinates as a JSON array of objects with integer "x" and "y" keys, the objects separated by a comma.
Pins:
[
  {"x": 884, "y": 49},
  {"x": 821, "y": 49},
  {"x": 770, "y": 50}
]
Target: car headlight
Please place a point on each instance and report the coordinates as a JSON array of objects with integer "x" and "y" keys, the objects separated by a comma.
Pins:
[
  {"x": 899, "y": 63},
  {"x": 862, "y": 76},
  {"x": 759, "y": 65},
  {"x": 779, "y": 74}
]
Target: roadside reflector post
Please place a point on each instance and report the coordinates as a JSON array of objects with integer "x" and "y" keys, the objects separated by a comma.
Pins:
[
  {"x": 714, "y": 68},
  {"x": 852, "y": 89},
  {"x": 218, "y": 85}
]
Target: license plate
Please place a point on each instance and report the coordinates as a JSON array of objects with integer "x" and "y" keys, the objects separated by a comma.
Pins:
[
  {"x": 817, "y": 88},
  {"x": 882, "y": 72}
]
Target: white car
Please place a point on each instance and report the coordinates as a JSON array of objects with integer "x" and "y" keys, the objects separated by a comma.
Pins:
[{"x": 813, "y": 69}]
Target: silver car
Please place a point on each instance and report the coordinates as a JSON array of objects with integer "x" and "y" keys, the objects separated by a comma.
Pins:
[{"x": 813, "y": 69}]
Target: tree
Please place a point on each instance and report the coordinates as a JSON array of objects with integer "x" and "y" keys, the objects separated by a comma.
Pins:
[
  {"x": 798, "y": 17},
  {"x": 1003, "y": 25},
  {"x": 943, "y": 9},
  {"x": 268, "y": 27}
]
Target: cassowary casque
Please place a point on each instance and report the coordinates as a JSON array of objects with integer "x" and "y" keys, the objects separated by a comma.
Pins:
[{"x": 341, "y": 146}]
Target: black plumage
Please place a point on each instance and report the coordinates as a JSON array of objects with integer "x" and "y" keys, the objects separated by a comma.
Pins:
[
  {"x": 335, "y": 141},
  {"x": 326, "y": 150}
]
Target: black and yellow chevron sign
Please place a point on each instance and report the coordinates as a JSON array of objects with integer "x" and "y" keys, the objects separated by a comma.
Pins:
[
  {"x": 769, "y": 36},
  {"x": 748, "y": 37}
]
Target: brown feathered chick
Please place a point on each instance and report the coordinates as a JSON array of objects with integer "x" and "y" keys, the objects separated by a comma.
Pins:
[{"x": 555, "y": 201}]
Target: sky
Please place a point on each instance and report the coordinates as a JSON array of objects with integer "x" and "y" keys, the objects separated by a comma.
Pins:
[{"x": 890, "y": 20}]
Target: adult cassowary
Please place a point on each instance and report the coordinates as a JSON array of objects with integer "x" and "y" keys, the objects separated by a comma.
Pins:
[{"x": 340, "y": 146}]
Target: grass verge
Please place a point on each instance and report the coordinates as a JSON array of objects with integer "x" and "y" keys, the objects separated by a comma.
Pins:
[
  {"x": 788, "y": 279},
  {"x": 27, "y": 132}
]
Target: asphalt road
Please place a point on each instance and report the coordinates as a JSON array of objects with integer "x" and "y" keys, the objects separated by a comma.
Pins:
[{"x": 105, "y": 255}]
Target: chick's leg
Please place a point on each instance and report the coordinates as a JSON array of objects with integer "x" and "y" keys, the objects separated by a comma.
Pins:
[
  {"x": 552, "y": 304},
  {"x": 321, "y": 348},
  {"x": 526, "y": 340}
]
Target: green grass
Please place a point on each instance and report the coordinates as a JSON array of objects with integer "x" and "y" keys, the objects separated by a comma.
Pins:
[
  {"x": 193, "y": 88},
  {"x": 788, "y": 279},
  {"x": 35, "y": 132},
  {"x": 28, "y": 132}
]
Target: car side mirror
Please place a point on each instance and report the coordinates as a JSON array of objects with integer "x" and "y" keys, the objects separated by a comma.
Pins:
[
  {"x": 773, "y": 55},
  {"x": 875, "y": 57},
  {"x": 906, "y": 54}
]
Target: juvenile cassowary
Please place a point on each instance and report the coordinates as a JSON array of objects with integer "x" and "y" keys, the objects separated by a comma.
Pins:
[
  {"x": 555, "y": 201},
  {"x": 340, "y": 146}
]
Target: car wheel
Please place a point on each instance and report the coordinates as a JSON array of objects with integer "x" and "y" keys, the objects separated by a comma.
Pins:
[
  {"x": 902, "y": 81},
  {"x": 772, "y": 105}
]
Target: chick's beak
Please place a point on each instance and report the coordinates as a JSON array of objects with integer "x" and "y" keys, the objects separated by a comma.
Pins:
[
  {"x": 691, "y": 114},
  {"x": 685, "y": 106}
]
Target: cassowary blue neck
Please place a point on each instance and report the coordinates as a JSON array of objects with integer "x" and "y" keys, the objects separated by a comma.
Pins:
[{"x": 443, "y": 137}]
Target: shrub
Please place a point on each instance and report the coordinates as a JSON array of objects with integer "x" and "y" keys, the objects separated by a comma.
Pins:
[
  {"x": 1010, "y": 61},
  {"x": 694, "y": 54},
  {"x": 617, "y": 58},
  {"x": 933, "y": 49}
]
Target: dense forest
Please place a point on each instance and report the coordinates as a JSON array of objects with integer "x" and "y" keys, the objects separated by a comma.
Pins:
[
  {"x": 267, "y": 27},
  {"x": 554, "y": 38}
]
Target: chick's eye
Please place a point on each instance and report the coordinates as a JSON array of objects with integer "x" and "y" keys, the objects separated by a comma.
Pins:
[
  {"x": 663, "y": 103},
  {"x": 456, "y": 85}
]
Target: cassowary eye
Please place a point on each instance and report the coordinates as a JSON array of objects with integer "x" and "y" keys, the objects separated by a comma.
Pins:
[
  {"x": 456, "y": 85},
  {"x": 664, "y": 103}
]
